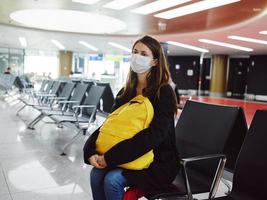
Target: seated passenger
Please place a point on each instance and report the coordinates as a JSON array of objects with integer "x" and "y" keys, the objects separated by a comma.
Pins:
[
  {"x": 149, "y": 76},
  {"x": 8, "y": 70}
]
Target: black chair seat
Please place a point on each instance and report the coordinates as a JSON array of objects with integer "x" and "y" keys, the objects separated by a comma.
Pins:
[
  {"x": 203, "y": 130},
  {"x": 250, "y": 177}
]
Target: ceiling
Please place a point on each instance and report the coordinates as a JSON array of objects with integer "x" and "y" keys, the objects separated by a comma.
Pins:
[{"x": 245, "y": 18}]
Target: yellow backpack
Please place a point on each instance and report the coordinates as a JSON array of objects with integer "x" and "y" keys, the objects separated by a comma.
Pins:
[{"x": 124, "y": 123}]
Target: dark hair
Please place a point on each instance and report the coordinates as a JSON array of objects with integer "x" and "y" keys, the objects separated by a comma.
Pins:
[{"x": 157, "y": 77}]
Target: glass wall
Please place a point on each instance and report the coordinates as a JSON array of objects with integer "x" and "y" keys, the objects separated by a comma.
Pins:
[
  {"x": 38, "y": 64},
  {"x": 79, "y": 63},
  {"x": 13, "y": 58},
  {"x": 112, "y": 69},
  {"x": 41, "y": 64}
]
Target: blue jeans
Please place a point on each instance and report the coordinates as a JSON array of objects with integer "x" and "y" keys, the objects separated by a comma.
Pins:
[{"x": 107, "y": 184}]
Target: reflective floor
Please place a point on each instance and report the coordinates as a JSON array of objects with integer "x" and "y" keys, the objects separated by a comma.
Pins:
[
  {"x": 31, "y": 167},
  {"x": 30, "y": 163}
]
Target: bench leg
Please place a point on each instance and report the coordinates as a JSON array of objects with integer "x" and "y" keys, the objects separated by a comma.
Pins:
[
  {"x": 35, "y": 121},
  {"x": 73, "y": 139}
]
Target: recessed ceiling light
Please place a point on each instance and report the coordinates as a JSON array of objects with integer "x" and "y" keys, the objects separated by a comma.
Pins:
[
  {"x": 193, "y": 8},
  {"x": 23, "y": 41},
  {"x": 121, "y": 4},
  {"x": 246, "y": 39},
  {"x": 188, "y": 46},
  {"x": 222, "y": 44},
  {"x": 157, "y": 6},
  {"x": 263, "y": 32},
  {"x": 58, "y": 44},
  {"x": 120, "y": 47},
  {"x": 68, "y": 21},
  {"x": 89, "y": 2},
  {"x": 257, "y": 9},
  {"x": 89, "y": 46}
]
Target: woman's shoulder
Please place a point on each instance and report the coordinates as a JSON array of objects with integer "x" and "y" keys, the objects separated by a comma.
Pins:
[
  {"x": 166, "y": 98},
  {"x": 166, "y": 89}
]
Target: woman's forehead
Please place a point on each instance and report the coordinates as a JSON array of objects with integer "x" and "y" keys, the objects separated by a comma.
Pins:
[{"x": 141, "y": 47}]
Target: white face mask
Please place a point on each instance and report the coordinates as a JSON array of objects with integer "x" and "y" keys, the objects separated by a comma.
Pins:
[{"x": 140, "y": 64}]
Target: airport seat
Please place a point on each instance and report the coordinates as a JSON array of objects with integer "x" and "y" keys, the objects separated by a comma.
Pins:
[
  {"x": 233, "y": 147},
  {"x": 7, "y": 82},
  {"x": 54, "y": 91},
  {"x": 250, "y": 176},
  {"x": 84, "y": 114},
  {"x": 64, "y": 95},
  {"x": 65, "y": 106},
  {"x": 202, "y": 133},
  {"x": 107, "y": 98},
  {"x": 44, "y": 99},
  {"x": 49, "y": 84},
  {"x": 28, "y": 96},
  {"x": 36, "y": 98}
]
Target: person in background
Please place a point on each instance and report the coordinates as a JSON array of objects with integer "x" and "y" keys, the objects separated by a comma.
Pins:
[
  {"x": 8, "y": 70},
  {"x": 26, "y": 81},
  {"x": 49, "y": 75},
  {"x": 149, "y": 76}
]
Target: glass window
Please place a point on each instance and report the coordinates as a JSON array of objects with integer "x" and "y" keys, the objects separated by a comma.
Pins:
[
  {"x": 111, "y": 69},
  {"x": 42, "y": 64},
  {"x": 3, "y": 59},
  {"x": 13, "y": 58},
  {"x": 79, "y": 63}
]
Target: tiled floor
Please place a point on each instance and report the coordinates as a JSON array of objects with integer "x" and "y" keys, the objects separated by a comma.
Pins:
[
  {"x": 31, "y": 167},
  {"x": 30, "y": 163}
]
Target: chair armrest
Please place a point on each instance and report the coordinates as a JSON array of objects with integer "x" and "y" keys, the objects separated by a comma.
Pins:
[
  {"x": 76, "y": 108},
  {"x": 47, "y": 95},
  {"x": 68, "y": 102},
  {"x": 217, "y": 176},
  {"x": 57, "y": 98},
  {"x": 37, "y": 92},
  {"x": 90, "y": 120},
  {"x": 184, "y": 161},
  {"x": 84, "y": 106},
  {"x": 65, "y": 104}
]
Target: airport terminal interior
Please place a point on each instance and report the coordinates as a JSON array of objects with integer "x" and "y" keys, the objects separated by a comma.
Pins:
[{"x": 62, "y": 63}]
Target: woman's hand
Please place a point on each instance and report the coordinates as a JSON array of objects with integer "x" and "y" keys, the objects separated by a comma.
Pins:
[
  {"x": 101, "y": 161},
  {"x": 93, "y": 160}
]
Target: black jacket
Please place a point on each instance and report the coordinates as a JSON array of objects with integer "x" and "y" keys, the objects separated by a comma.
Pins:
[{"x": 159, "y": 136}]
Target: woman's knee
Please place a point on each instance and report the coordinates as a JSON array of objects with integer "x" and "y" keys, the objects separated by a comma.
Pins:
[
  {"x": 114, "y": 179},
  {"x": 97, "y": 176}
]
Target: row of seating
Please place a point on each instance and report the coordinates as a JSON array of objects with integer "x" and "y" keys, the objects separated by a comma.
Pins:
[
  {"x": 8, "y": 82},
  {"x": 213, "y": 138},
  {"x": 68, "y": 102}
]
